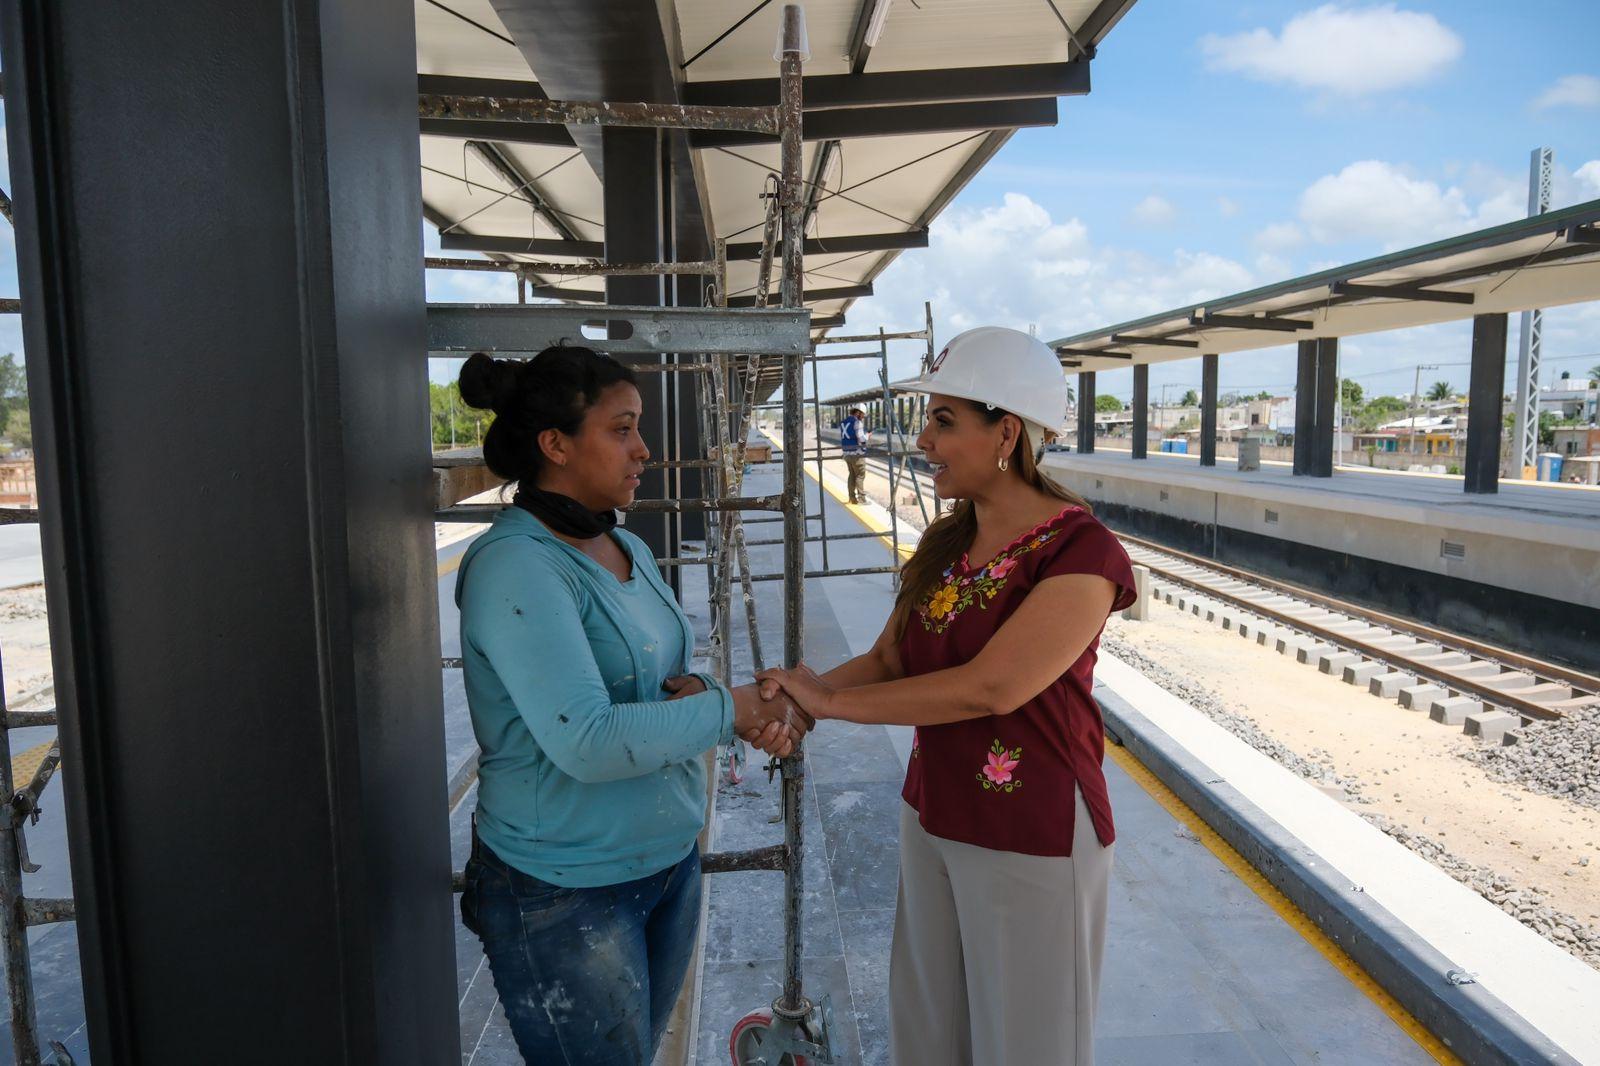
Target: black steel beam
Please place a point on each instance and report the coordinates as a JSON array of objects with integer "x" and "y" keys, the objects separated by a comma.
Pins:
[
  {"x": 863, "y": 242},
  {"x": 828, "y": 91},
  {"x": 1094, "y": 353},
  {"x": 1279, "y": 325},
  {"x": 842, "y": 292},
  {"x": 563, "y": 292},
  {"x": 478, "y": 242},
  {"x": 827, "y": 321},
  {"x": 1361, "y": 291},
  {"x": 454, "y": 85},
  {"x": 1086, "y": 412},
  {"x": 1481, "y": 466},
  {"x": 495, "y": 130},
  {"x": 1158, "y": 342},
  {"x": 860, "y": 51},
  {"x": 246, "y": 680},
  {"x": 849, "y": 123},
  {"x": 1208, "y": 409},
  {"x": 1141, "y": 410}
]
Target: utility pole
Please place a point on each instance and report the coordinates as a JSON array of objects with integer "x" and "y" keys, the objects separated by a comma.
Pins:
[
  {"x": 1416, "y": 400},
  {"x": 1525, "y": 435}
]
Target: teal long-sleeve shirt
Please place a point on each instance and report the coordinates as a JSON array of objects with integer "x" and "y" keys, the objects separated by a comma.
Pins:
[{"x": 588, "y": 774}]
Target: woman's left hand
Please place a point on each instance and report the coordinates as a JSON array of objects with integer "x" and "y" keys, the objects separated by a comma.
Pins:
[
  {"x": 681, "y": 687},
  {"x": 802, "y": 685}
]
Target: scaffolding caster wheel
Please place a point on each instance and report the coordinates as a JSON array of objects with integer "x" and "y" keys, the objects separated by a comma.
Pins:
[
  {"x": 751, "y": 1038},
  {"x": 758, "y": 1040},
  {"x": 733, "y": 773}
]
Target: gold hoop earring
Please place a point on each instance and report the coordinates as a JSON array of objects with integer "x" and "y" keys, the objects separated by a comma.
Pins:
[{"x": 1005, "y": 464}]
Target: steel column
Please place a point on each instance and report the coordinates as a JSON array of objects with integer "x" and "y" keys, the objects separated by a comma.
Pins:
[
  {"x": 1086, "y": 412},
  {"x": 1141, "y": 410},
  {"x": 1484, "y": 390},
  {"x": 1326, "y": 396},
  {"x": 1305, "y": 405},
  {"x": 250, "y": 713},
  {"x": 635, "y": 225},
  {"x": 1208, "y": 410}
]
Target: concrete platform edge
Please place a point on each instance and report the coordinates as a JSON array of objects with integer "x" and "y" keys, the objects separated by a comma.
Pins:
[{"x": 1476, "y": 1025}]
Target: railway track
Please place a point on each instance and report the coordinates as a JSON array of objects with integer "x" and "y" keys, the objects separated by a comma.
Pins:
[{"x": 1489, "y": 691}]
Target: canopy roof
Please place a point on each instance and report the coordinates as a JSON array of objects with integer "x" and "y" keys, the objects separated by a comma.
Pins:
[
  {"x": 1543, "y": 261},
  {"x": 896, "y": 122}
]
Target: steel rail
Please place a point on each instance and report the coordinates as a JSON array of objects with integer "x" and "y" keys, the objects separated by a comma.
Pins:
[{"x": 1504, "y": 698}]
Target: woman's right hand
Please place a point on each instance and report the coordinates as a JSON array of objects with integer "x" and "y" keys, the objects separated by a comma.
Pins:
[{"x": 773, "y": 725}]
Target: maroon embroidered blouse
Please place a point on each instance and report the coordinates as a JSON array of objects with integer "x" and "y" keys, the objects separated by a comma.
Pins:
[{"x": 1005, "y": 781}]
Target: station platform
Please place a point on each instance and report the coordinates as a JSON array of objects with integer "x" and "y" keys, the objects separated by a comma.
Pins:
[
  {"x": 1519, "y": 568},
  {"x": 1201, "y": 967}
]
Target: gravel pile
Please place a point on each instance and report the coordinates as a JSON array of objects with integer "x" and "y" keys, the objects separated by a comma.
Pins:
[
  {"x": 1565, "y": 738},
  {"x": 1560, "y": 758}
]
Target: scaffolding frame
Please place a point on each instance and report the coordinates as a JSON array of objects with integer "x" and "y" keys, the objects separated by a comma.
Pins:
[{"x": 727, "y": 347}]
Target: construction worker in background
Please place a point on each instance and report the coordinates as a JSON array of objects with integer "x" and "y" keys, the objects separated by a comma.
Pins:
[
  {"x": 1000, "y": 922},
  {"x": 853, "y": 438}
]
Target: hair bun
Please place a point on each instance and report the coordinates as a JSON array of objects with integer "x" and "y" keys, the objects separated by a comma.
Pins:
[{"x": 489, "y": 384}]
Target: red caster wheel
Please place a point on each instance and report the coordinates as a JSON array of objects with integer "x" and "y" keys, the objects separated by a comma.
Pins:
[
  {"x": 750, "y": 1037},
  {"x": 735, "y": 769}
]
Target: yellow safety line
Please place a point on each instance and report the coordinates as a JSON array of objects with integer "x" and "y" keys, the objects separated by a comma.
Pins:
[
  {"x": 450, "y": 565},
  {"x": 1252, "y": 878},
  {"x": 861, "y": 513},
  {"x": 1292, "y": 915},
  {"x": 26, "y": 763}
]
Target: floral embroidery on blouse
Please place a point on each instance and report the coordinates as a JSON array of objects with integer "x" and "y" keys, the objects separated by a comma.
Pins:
[
  {"x": 956, "y": 593},
  {"x": 997, "y": 774}
]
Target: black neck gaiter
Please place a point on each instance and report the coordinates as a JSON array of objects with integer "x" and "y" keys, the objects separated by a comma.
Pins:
[{"x": 564, "y": 514}]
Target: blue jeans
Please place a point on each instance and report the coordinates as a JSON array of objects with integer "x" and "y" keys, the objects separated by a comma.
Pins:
[{"x": 587, "y": 976}]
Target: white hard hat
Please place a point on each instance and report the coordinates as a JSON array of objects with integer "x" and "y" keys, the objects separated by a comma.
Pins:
[{"x": 1003, "y": 368}]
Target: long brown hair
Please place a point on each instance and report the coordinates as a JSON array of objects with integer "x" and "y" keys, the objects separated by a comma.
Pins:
[{"x": 944, "y": 541}]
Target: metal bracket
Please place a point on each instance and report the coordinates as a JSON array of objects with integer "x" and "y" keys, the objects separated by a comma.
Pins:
[{"x": 809, "y": 1036}]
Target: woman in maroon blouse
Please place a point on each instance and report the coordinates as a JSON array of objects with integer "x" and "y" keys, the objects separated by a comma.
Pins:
[{"x": 1005, "y": 832}]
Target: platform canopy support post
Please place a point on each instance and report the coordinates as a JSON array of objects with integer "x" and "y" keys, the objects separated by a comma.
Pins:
[
  {"x": 246, "y": 679},
  {"x": 1208, "y": 410},
  {"x": 1484, "y": 391},
  {"x": 1305, "y": 405},
  {"x": 1086, "y": 412},
  {"x": 1327, "y": 396},
  {"x": 1141, "y": 410}
]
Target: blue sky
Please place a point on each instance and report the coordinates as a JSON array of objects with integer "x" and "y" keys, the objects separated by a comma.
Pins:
[{"x": 1227, "y": 145}]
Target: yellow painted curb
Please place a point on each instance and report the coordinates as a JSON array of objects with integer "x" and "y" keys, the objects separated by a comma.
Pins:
[{"x": 1280, "y": 904}]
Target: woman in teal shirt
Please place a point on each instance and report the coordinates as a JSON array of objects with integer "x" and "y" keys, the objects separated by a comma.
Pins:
[{"x": 584, "y": 881}]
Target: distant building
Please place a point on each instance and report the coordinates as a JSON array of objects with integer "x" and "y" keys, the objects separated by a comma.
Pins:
[{"x": 1577, "y": 440}]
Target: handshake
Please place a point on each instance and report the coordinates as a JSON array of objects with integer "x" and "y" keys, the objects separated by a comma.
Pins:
[{"x": 776, "y": 711}]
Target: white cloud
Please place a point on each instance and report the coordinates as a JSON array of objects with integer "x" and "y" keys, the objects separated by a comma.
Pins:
[
  {"x": 1226, "y": 207},
  {"x": 1574, "y": 90},
  {"x": 1374, "y": 199},
  {"x": 1343, "y": 50},
  {"x": 1588, "y": 176},
  {"x": 1279, "y": 237},
  {"x": 1154, "y": 211},
  {"x": 1012, "y": 263}
]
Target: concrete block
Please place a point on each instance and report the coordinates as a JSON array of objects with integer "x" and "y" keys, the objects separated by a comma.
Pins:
[
  {"x": 1362, "y": 672},
  {"x": 1336, "y": 662},
  {"x": 1139, "y": 611},
  {"x": 1449, "y": 658},
  {"x": 1510, "y": 682},
  {"x": 1454, "y": 710},
  {"x": 1421, "y": 697},
  {"x": 1491, "y": 726},
  {"x": 1389, "y": 685},
  {"x": 1288, "y": 643},
  {"x": 1546, "y": 693},
  {"x": 1510, "y": 737},
  {"x": 1312, "y": 653}
]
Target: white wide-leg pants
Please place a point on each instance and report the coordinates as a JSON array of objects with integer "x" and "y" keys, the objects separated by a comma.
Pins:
[{"x": 996, "y": 958}]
